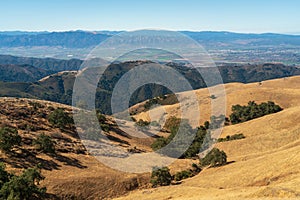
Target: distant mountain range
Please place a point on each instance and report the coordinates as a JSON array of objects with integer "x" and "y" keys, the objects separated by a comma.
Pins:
[
  {"x": 85, "y": 39},
  {"x": 77, "y": 39}
]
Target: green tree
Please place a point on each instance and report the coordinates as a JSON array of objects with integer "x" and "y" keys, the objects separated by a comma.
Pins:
[
  {"x": 23, "y": 187},
  {"x": 214, "y": 158},
  {"x": 9, "y": 138},
  {"x": 45, "y": 143},
  {"x": 206, "y": 124},
  {"x": 4, "y": 175},
  {"x": 160, "y": 176},
  {"x": 183, "y": 175},
  {"x": 60, "y": 119}
]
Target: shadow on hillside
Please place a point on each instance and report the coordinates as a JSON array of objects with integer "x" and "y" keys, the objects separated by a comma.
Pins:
[
  {"x": 27, "y": 159},
  {"x": 71, "y": 131},
  {"x": 69, "y": 161},
  {"x": 228, "y": 163},
  {"x": 115, "y": 139},
  {"x": 119, "y": 132}
]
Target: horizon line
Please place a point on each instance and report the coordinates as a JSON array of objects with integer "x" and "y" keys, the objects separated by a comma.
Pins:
[{"x": 182, "y": 30}]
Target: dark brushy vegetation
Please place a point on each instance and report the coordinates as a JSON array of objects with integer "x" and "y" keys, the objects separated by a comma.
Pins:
[
  {"x": 161, "y": 176},
  {"x": 9, "y": 138},
  {"x": 232, "y": 137},
  {"x": 44, "y": 143},
  {"x": 22, "y": 187},
  {"x": 60, "y": 119},
  {"x": 180, "y": 133},
  {"x": 214, "y": 158},
  {"x": 252, "y": 110}
]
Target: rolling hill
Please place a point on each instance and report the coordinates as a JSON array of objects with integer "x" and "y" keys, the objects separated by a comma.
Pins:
[
  {"x": 264, "y": 165},
  {"x": 58, "y": 87},
  {"x": 71, "y": 173},
  {"x": 49, "y": 64},
  {"x": 21, "y": 73}
]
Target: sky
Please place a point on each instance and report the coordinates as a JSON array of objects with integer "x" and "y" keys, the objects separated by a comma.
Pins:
[{"x": 255, "y": 16}]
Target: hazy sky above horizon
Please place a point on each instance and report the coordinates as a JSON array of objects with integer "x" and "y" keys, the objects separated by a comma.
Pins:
[{"x": 255, "y": 16}]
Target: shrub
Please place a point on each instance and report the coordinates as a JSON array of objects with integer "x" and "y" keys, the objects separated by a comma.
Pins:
[
  {"x": 101, "y": 118},
  {"x": 232, "y": 137},
  {"x": 214, "y": 158},
  {"x": 154, "y": 123},
  {"x": 159, "y": 143},
  {"x": 105, "y": 127},
  {"x": 4, "y": 175},
  {"x": 23, "y": 186},
  {"x": 160, "y": 176},
  {"x": 45, "y": 143},
  {"x": 9, "y": 138},
  {"x": 196, "y": 168},
  {"x": 36, "y": 105},
  {"x": 150, "y": 103},
  {"x": 142, "y": 125},
  {"x": 206, "y": 124},
  {"x": 183, "y": 175},
  {"x": 212, "y": 96},
  {"x": 60, "y": 119},
  {"x": 172, "y": 122}
]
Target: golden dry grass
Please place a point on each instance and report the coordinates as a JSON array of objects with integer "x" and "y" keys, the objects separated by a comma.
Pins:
[{"x": 265, "y": 165}]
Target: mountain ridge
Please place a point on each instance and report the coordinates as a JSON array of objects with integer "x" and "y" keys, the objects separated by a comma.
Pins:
[{"x": 70, "y": 39}]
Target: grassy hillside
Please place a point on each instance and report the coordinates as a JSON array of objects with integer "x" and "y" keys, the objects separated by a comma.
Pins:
[
  {"x": 72, "y": 172},
  {"x": 264, "y": 165}
]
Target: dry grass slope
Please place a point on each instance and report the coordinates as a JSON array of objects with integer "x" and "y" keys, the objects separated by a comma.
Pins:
[{"x": 266, "y": 163}]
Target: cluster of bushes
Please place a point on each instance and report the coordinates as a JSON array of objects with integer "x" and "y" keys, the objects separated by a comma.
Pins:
[
  {"x": 187, "y": 173},
  {"x": 24, "y": 186},
  {"x": 102, "y": 121},
  {"x": 232, "y": 137},
  {"x": 9, "y": 138},
  {"x": 150, "y": 103},
  {"x": 183, "y": 132},
  {"x": 162, "y": 100},
  {"x": 162, "y": 176},
  {"x": 252, "y": 111},
  {"x": 142, "y": 125}
]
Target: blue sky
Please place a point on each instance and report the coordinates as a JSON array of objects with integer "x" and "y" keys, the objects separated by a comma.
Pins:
[{"x": 216, "y": 15}]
